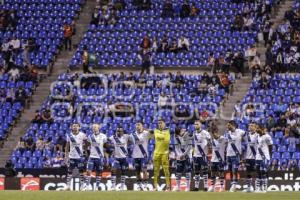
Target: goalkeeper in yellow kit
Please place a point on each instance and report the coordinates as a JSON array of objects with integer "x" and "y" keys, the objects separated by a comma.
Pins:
[{"x": 162, "y": 138}]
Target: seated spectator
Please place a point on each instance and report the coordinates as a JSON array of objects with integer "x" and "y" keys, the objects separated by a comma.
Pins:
[
  {"x": 57, "y": 161},
  {"x": 173, "y": 48},
  {"x": 95, "y": 17},
  {"x": 37, "y": 117},
  {"x": 248, "y": 22},
  {"x": 47, "y": 162},
  {"x": 202, "y": 89},
  {"x": 47, "y": 116},
  {"x": 163, "y": 101},
  {"x": 29, "y": 144},
  {"x": 167, "y": 10},
  {"x": 274, "y": 165},
  {"x": 40, "y": 144},
  {"x": 194, "y": 10},
  {"x": 119, "y": 4},
  {"x": 164, "y": 44},
  {"x": 179, "y": 80},
  {"x": 182, "y": 111},
  {"x": 185, "y": 10},
  {"x": 21, "y": 146},
  {"x": 15, "y": 43},
  {"x": 281, "y": 123},
  {"x": 14, "y": 73},
  {"x": 238, "y": 23},
  {"x": 142, "y": 4},
  {"x": 183, "y": 44},
  {"x": 212, "y": 90},
  {"x": 48, "y": 144},
  {"x": 21, "y": 96},
  {"x": 270, "y": 124},
  {"x": 10, "y": 95}
]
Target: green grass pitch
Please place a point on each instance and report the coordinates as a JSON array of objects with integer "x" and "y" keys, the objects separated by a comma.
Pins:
[{"x": 62, "y": 195}]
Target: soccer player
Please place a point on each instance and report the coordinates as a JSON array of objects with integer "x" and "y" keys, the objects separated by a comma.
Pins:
[
  {"x": 97, "y": 143},
  {"x": 234, "y": 137},
  {"x": 120, "y": 143},
  {"x": 140, "y": 155},
  {"x": 262, "y": 159},
  {"x": 202, "y": 140},
  {"x": 74, "y": 152},
  {"x": 183, "y": 151},
  {"x": 250, "y": 154},
  {"x": 162, "y": 138},
  {"x": 217, "y": 160}
]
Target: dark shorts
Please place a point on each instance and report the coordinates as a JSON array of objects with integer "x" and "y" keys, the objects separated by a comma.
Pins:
[
  {"x": 250, "y": 165},
  {"x": 200, "y": 164},
  {"x": 233, "y": 163},
  {"x": 183, "y": 166},
  {"x": 95, "y": 164},
  {"x": 76, "y": 164},
  {"x": 217, "y": 167},
  {"x": 120, "y": 163},
  {"x": 262, "y": 165},
  {"x": 140, "y": 164}
]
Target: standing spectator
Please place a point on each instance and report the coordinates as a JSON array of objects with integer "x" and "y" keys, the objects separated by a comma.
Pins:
[
  {"x": 85, "y": 61},
  {"x": 68, "y": 33},
  {"x": 21, "y": 146},
  {"x": 146, "y": 43},
  {"x": 269, "y": 56},
  {"x": 164, "y": 44},
  {"x": 185, "y": 9},
  {"x": 168, "y": 10},
  {"x": 211, "y": 63},
  {"x": 21, "y": 95},
  {"x": 145, "y": 56},
  {"x": 238, "y": 63}
]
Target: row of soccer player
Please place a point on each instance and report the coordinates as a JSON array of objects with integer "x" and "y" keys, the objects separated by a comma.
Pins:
[{"x": 191, "y": 152}]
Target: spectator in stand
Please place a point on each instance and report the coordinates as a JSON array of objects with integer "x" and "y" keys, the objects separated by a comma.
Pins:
[
  {"x": 40, "y": 144},
  {"x": 270, "y": 124},
  {"x": 179, "y": 80},
  {"x": 164, "y": 44},
  {"x": 168, "y": 10},
  {"x": 15, "y": 43},
  {"x": 154, "y": 46},
  {"x": 145, "y": 55},
  {"x": 47, "y": 162},
  {"x": 86, "y": 58},
  {"x": 14, "y": 73},
  {"x": 211, "y": 63},
  {"x": 174, "y": 48},
  {"x": 225, "y": 82},
  {"x": 57, "y": 161},
  {"x": 183, "y": 44},
  {"x": 146, "y": 43},
  {"x": 21, "y": 96},
  {"x": 21, "y": 146},
  {"x": 37, "y": 118},
  {"x": 29, "y": 143},
  {"x": 95, "y": 17},
  {"x": 142, "y": 4},
  {"x": 68, "y": 33},
  {"x": 185, "y": 10},
  {"x": 60, "y": 144},
  {"x": 46, "y": 116},
  {"x": 269, "y": 56},
  {"x": 237, "y": 110},
  {"x": 238, "y": 63},
  {"x": 162, "y": 101},
  {"x": 194, "y": 10},
  {"x": 238, "y": 23}
]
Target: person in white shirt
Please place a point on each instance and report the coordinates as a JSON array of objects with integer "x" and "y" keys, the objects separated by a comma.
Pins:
[
  {"x": 183, "y": 152},
  {"x": 120, "y": 142},
  {"x": 233, "y": 151},
  {"x": 262, "y": 159},
  {"x": 217, "y": 160},
  {"x": 74, "y": 153},
  {"x": 183, "y": 44},
  {"x": 202, "y": 140},
  {"x": 250, "y": 154},
  {"x": 140, "y": 155},
  {"x": 163, "y": 101},
  {"x": 97, "y": 142},
  {"x": 15, "y": 43}
]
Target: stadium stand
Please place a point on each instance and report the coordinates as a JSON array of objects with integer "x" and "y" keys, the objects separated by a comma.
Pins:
[
  {"x": 276, "y": 105},
  {"x": 214, "y": 29},
  {"x": 38, "y": 28}
]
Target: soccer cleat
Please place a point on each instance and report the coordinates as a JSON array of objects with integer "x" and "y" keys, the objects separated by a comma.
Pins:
[
  {"x": 232, "y": 188},
  {"x": 187, "y": 189},
  {"x": 205, "y": 190},
  {"x": 83, "y": 187},
  {"x": 195, "y": 189},
  {"x": 211, "y": 189}
]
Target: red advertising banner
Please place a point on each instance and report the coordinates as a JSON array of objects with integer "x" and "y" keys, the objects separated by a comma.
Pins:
[
  {"x": 2, "y": 183},
  {"x": 30, "y": 184}
]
